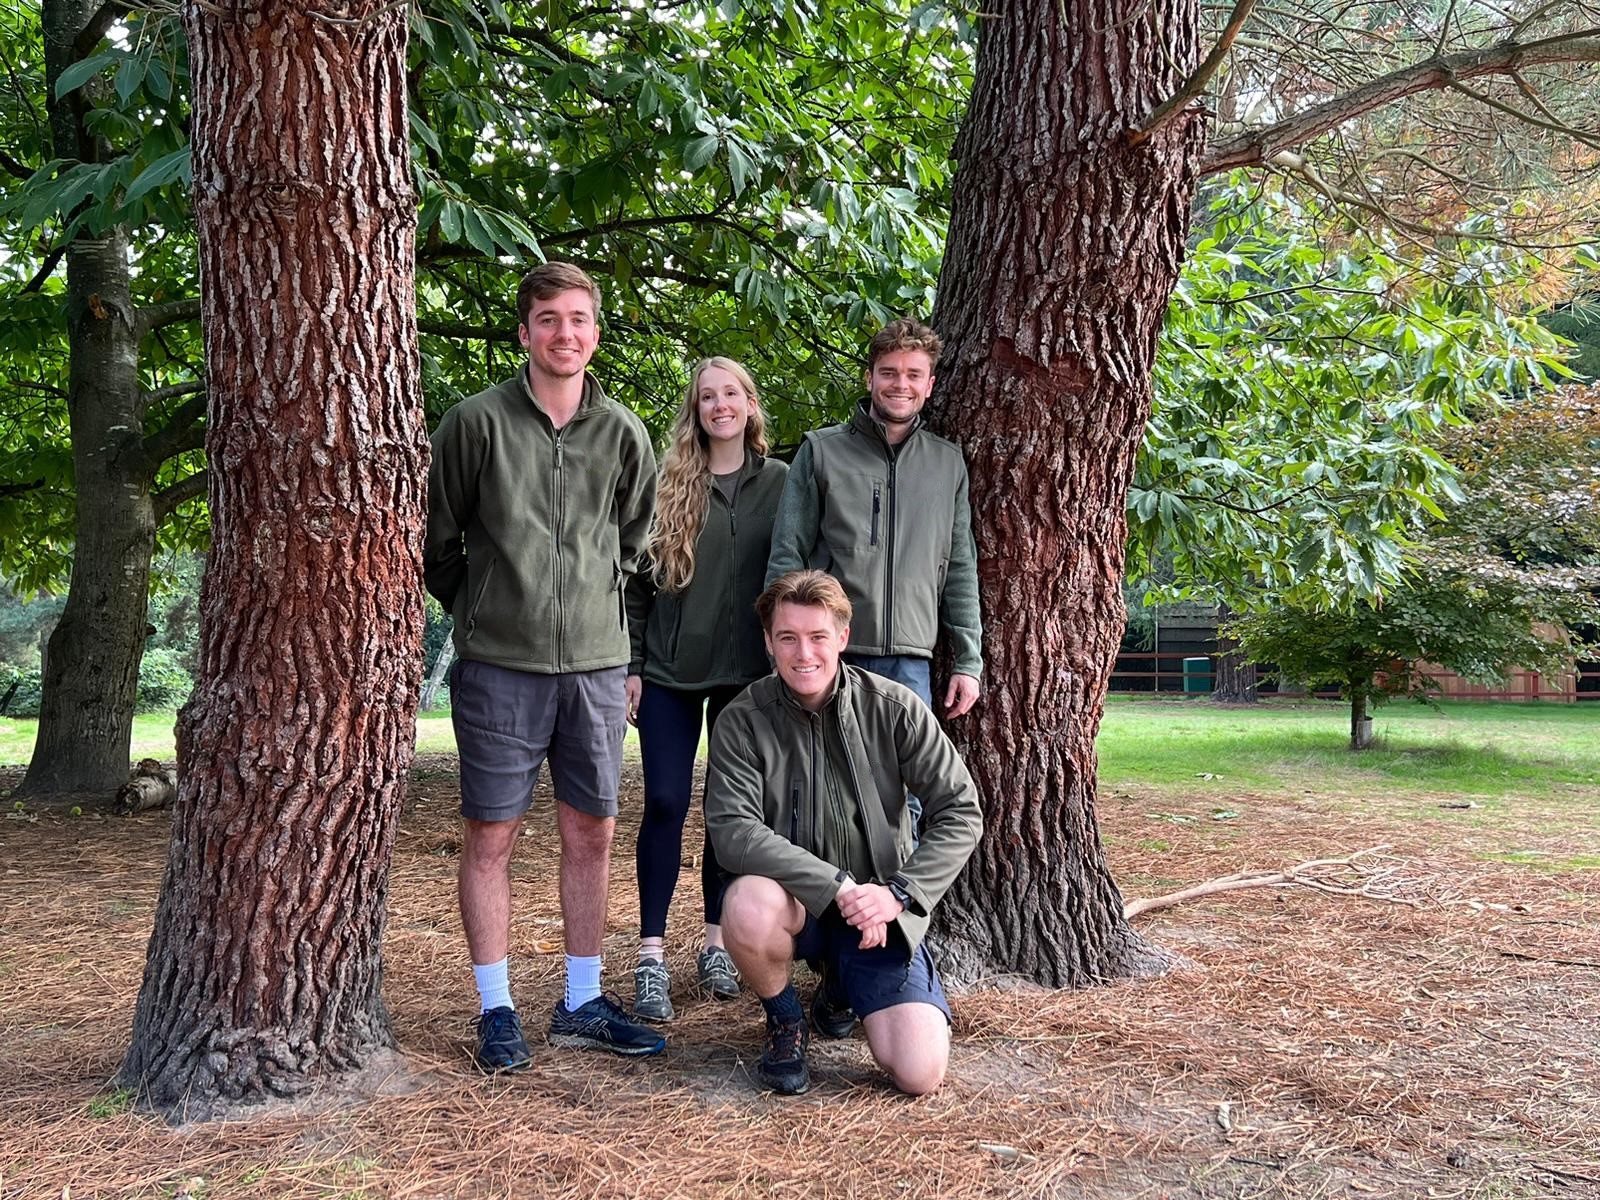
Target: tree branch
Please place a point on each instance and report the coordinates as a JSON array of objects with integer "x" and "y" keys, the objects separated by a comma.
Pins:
[
  {"x": 98, "y": 26},
  {"x": 460, "y": 329},
  {"x": 1196, "y": 83},
  {"x": 1258, "y": 146},
  {"x": 14, "y": 166},
  {"x": 167, "y": 500},
  {"x": 47, "y": 268},
  {"x": 183, "y": 430},
  {"x": 158, "y": 315},
  {"x": 7, "y": 490},
  {"x": 1578, "y": 135}
]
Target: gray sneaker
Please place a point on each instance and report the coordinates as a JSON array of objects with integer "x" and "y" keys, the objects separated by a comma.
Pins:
[
  {"x": 652, "y": 991},
  {"x": 718, "y": 975}
]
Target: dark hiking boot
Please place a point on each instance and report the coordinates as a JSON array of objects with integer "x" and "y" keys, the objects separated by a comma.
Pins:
[{"x": 783, "y": 1061}]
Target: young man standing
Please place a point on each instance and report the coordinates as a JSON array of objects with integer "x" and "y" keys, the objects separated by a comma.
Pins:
[
  {"x": 806, "y": 805},
  {"x": 881, "y": 504},
  {"x": 539, "y": 499}
]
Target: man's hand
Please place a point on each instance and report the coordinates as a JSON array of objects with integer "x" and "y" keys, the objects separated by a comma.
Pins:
[
  {"x": 633, "y": 689},
  {"x": 868, "y": 908},
  {"x": 961, "y": 695}
]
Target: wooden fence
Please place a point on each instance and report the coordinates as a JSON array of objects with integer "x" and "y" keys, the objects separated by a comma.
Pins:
[{"x": 1145, "y": 672}]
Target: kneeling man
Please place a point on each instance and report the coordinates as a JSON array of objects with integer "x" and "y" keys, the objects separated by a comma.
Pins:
[{"x": 806, "y": 805}]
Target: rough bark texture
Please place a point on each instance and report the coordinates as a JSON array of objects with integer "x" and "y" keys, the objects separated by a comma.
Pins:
[
  {"x": 1064, "y": 245},
  {"x": 264, "y": 967},
  {"x": 1236, "y": 678},
  {"x": 91, "y": 671}
]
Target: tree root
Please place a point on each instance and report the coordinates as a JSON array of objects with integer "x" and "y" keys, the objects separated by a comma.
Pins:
[{"x": 1368, "y": 874}]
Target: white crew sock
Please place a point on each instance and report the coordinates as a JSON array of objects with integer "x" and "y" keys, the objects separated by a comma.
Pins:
[
  {"x": 583, "y": 981},
  {"x": 494, "y": 984}
]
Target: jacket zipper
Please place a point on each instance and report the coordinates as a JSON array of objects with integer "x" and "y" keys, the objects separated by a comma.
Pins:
[
  {"x": 559, "y": 483},
  {"x": 877, "y": 504},
  {"x": 888, "y": 597},
  {"x": 794, "y": 814},
  {"x": 811, "y": 808}
]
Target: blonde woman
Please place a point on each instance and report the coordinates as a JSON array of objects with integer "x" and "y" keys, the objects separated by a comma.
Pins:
[{"x": 696, "y": 643}]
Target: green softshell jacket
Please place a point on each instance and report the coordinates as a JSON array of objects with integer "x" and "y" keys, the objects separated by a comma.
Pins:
[
  {"x": 532, "y": 531},
  {"x": 708, "y": 635},
  {"x": 764, "y": 793},
  {"x": 894, "y": 526}
]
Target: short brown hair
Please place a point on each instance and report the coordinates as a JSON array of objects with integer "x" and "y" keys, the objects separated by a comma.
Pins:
[
  {"x": 549, "y": 280},
  {"x": 810, "y": 589},
  {"x": 904, "y": 333}
]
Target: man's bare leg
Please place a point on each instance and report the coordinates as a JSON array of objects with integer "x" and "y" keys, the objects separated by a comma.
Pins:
[
  {"x": 585, "y": 878},
  {"x": 483, "y": 886},
  {"x": 759, "y": 924},
  {"x": 912, "y": 1043}
]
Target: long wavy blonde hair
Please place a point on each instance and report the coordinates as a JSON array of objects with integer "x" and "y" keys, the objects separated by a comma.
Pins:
[{"x": 684, "y": 490}]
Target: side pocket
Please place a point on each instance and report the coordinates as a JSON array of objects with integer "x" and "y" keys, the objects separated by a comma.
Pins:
[{"x": 477, "y": 601}]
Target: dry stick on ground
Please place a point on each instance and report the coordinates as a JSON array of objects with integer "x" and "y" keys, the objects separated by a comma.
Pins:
[{"x": 1356, "y": 875}]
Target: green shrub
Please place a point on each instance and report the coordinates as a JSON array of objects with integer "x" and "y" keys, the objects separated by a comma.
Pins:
[
  {"x": 163, "y": 682},
  {"x": 24, "y": 701}
]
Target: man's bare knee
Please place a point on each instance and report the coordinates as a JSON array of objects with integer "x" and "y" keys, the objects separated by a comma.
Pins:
[
  {"x": 754, "y": 905},
  {"x": 488, "y": 844},
  {"x": 584, "y": 837},
  {"x": 912, "y": 1043},
  {"x": 923, "y": 1073}
]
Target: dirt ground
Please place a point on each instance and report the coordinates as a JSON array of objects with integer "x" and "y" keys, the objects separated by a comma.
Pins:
[{"x": 1320, "y": 1045}]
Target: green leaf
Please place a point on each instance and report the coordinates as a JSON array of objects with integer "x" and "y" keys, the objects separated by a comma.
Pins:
[
  {"x": 159, "y": 173},
  {"x": 477, "y": 232},
  {"x": 85, "y": 69},
  {"x": 700, "y": 151}
]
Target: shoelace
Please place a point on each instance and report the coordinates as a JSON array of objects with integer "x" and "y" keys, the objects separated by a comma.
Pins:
[
  {"x": 652, "y": 985},
  {"x": 783, "y": 1041}
]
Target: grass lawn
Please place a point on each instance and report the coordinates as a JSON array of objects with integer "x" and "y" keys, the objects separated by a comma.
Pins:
[
  {"x": 1464, "y": 748},
  {"x": 1482, "y": 750}
]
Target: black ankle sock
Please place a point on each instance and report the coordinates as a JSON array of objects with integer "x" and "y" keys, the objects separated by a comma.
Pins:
[{"x": 784, "y": 1008}]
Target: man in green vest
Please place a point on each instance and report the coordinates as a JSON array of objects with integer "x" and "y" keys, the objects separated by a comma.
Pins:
[{"x": 880, "y": 503}]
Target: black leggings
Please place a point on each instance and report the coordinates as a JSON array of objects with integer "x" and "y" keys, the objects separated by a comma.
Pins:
[{"x": 669, "y": 738}]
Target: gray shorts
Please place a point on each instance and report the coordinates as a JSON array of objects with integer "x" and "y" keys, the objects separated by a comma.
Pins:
[{"x": 508, "y": 722}]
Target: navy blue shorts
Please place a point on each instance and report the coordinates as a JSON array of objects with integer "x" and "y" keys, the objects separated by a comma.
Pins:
[{"x": 872, "y": 979}]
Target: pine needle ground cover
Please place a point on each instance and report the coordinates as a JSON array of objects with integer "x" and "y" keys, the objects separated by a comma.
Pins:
[{"x": 1442, "y": 1041}]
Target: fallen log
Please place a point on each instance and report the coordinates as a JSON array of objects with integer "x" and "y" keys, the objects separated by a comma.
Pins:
[{"x": 152, "y": 786}]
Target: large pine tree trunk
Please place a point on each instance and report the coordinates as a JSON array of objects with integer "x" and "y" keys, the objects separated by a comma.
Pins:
[
  {"x": 264, "y": 966},
  {"x": 91, "y": 677},
  {"x": 1064, "y": 245}
]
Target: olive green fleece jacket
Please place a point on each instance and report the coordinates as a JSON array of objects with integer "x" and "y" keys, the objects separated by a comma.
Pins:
[
  {"x": 532, "y": 531},
  {"x": 893, "y": 524},
  {"x": 766, "y": 797},
  {"x": 708, "y": 635}
]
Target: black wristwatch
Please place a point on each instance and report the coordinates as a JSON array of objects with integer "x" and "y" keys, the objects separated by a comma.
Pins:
[{"x": 897, "y": 889}]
